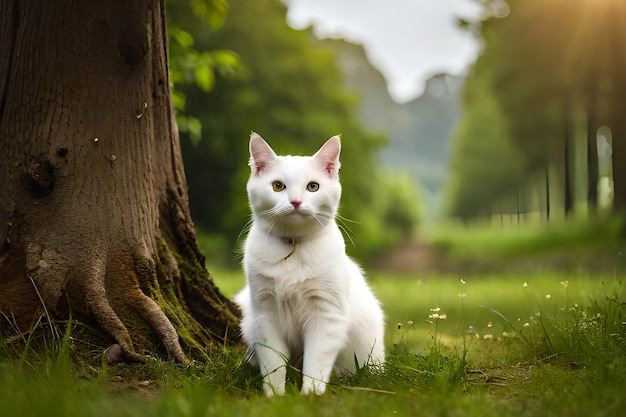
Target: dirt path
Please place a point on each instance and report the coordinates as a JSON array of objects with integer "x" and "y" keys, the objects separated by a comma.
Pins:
[
  {"x": 420, "y": 256},
  {"x": 416, "y": 256}
]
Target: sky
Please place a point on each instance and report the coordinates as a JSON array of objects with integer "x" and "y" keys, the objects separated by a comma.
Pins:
[{"x": 407, "y": 40}]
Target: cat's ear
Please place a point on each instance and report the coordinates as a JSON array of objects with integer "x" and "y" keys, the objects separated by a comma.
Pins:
[
  {"x": 328, "y": 156},
  {"x": 261, "y": 154}
]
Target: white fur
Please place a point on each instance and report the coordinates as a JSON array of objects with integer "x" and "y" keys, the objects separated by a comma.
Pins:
[{"x": 305, "y": 301}]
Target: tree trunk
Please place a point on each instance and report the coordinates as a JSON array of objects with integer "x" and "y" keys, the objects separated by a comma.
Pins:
[
  {"x": 94, "y": 216},
  {"x": 616, "y": 28},
  {"x": 547, "y": 171},
  {"x": 618, "y": 130},
  {"x": 568, "y": 181},
  {"x": 592, "y": 162}
]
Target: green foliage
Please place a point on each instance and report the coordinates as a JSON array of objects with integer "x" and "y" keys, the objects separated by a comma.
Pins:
[
  {"x": 287, "y": 88},
  {"x": 392, "y": 216},
  {"x": 193, "y": 66},
  {"x": 484, "y": 164},
  {"x": 593, "y": 241}
]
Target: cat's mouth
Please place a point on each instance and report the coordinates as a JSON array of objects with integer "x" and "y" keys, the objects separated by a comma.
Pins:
[{"x": 299, "y": 214}]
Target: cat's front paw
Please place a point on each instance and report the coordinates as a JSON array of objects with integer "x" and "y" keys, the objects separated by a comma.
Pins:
[
  {"x": 274, "y": 383},
  {"x": 271, "y": 391},
  {"x": 312, "y": 386}
]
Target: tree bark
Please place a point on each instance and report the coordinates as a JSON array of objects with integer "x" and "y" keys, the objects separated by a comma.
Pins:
[{"x": 94, "y": 215}]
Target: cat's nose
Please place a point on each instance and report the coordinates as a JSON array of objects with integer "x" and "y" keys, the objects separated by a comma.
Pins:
[{"x": 296, "y": 204}]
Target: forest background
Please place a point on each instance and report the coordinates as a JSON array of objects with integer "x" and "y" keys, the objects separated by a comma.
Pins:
[{"x": 529, "y": 135}]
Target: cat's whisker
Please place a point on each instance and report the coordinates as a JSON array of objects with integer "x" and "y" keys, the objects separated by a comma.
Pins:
[
  {"x": 344, "y": 220},
  {"x": 341, "y": 223},
  {"x": 319, "y": 220},
  {"x": 274, "y": 215},
  {"x": 268, "y": 214},
  {"x": 246, "y": 228},
  {"x": 322, "y": 218},
  {"x": 272, "y": 225},
  {"x": 284, "y": 210},
  {"x": 346, "y": 232}
]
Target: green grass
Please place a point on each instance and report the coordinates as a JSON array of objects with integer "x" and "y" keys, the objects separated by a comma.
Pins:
[
  {"x": 527, "y": 342},
  {"x": 577, "y": 235},
  {"x": 504, "y": 348}
]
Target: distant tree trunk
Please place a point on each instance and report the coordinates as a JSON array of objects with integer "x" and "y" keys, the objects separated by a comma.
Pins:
[
  {"x": 567, "y": 159},
  {"x": 616, "y": 28},
  {"x": 592, "y": 162},
  {"x": 547, "y": 191},
  {"x": 94, "y": 215},
  {"x": 618, "y": 136},
  {"x": 618, "y": 130}
]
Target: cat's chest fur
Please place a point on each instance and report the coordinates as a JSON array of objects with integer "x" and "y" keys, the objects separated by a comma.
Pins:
[{"x": 296, "y": 269}]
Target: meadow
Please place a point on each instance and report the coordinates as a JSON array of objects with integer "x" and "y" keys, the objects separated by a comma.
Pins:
[{"x": 525, "y": 342}]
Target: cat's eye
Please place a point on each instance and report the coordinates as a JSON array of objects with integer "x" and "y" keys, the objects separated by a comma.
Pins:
[
  {"x": 312, "y": 186},
  {"x": 278, "y": 186}
]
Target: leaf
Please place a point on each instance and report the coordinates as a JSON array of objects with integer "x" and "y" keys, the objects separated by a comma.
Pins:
[
  {"x": 212, "y": 11},
  {"x": 179, "y": 100},
  {"x": 182, "y": 37},
  {"x": 205, "y": 79}
]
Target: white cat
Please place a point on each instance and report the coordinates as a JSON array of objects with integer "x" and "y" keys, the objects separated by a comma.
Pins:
[{"x": 306, "y": 301}]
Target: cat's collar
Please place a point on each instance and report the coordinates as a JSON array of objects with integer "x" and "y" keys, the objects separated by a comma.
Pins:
[{"x": 289, "y": 240}]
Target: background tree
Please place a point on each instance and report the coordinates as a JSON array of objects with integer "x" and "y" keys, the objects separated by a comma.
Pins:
[
  {"x": 289, "y": 89},
  {"x": 485, "y": 164},
  {"x": 552, "y": 66},
  {"x": 94, "y": 216},
  {"x": 612, "y": 87}
]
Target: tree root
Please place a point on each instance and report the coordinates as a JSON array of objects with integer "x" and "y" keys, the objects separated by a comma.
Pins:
[
  {"x": 107, "y": 288},
  {"x": 160, "y": 325}
]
